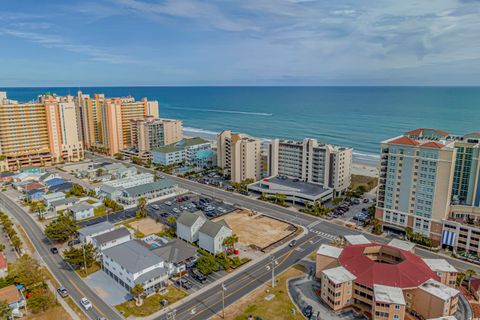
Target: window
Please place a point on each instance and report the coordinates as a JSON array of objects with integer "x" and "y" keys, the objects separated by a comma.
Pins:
[
  {"x": 397, "y": 307},
  {"x": 396, "y": 316}
]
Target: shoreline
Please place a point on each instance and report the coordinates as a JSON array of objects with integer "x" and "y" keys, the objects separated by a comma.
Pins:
[{"x": 363, "y": 168}]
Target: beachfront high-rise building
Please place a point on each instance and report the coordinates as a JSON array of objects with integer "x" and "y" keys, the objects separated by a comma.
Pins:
[
  {"x": 40, "y": 133},
  {"x": 149, "y": 132},
  {"x": 309, "y": 161},
  {"x": 239, "y": 156},
  {"x": 105, "y": 122}
]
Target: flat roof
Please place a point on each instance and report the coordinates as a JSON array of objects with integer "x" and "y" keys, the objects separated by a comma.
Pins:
[
  {"x": 400, "y": 244},
  {"x": 294, "y": 185},
  {"x": 438, "y": 289},
  {"x": 445, "y": 318},
  {"x": 356, "y": 239},
  {"x": 329, "y": 251},
  {"x": 339, "y": 275},
  {"x": 388, "y": 294},
  {"x": 148, "y": 187},
  {"x": 181, "y": 145},
  {"x": 96, "y": 228},
  {"x": 440, "y": 265}
]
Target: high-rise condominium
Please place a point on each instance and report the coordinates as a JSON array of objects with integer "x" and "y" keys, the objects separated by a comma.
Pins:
[
  {"x": 239, "y": 156},
  {"x": 149, "y": 132}
]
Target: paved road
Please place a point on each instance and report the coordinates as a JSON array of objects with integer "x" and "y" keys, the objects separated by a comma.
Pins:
[{"x": 66, "y": 276}]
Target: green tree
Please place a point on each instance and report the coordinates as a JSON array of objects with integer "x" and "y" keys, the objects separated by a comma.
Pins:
[
  {"x": 409, "y": 233},
  {"x": 91, "y": 193},
  {"x": 26, "y": 271},
  {"x": 2, "y": 247},
  {"x": 16, "y": 242},
  {"x": 460, "y": 278},
  {"x": 79, "y": 256},
  {"x": 137, "y": 160},
  {"x": 206, "y": 264},
  {"x": 230, "y": 241},
  {"x": 77, "y": 191},
  {"x": 5, "y": 310},
  {"x": 118, "y": 156},
  {"x": 61, "y": 229},
  {"x": 172, "y": 221},
  {"x": 41, "y": 299},
  {"x": 377, "y": 227},
  {"x": 137, "y": 292},
  {"x": 337, "y": 201},
  {"x": 142, "y": 203},
  {"x": 224, "y": 261}
]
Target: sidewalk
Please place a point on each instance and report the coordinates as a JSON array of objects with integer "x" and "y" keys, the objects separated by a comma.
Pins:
[{"x": 65, "y": 305}]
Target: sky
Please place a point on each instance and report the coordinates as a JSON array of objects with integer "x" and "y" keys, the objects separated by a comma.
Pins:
[{"x": 244, "y": 42}]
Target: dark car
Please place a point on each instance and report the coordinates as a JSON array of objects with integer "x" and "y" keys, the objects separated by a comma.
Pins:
[
  {"x": 197, "y": 275},
  {"x": 62, "y": 292},
  {"x": 54, "y": 250},
  {"x": 308, "y": 311},
  {"x": 73, "y": 242},
  {"x": 293, "y": 243},
  {"x": 184, "y": 283}
]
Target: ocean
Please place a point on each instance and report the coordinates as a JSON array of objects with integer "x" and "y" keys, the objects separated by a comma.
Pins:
[{"x": 360, "y": 117}]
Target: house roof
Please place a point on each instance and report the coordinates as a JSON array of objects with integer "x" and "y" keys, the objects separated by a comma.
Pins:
[
  {"x": 54, "y": 182},
  {"x": 34, "y": 191},
  {"x": 79, "y": 207},
  {"x": 133, "y": 256},
  {"x": 339, "y": 275},
  {"x": 329, "y": 251},
  {"x": 175, "y": 251},
  {"x": 45, "y": 176},
  {"x": 96, "y": 228},
  {"x": 148, "y": 187},
  {"x": 33, "y": 186},
  {"x": 211, "y": 228},
  {"x": 111, "y": 235},
  {"x": 155, "y": 273},
  {"x": 388, "y": 294},
  {"x": 401, "y": 244},
  {"x": 433, "y": 144},
  {"x": 439, "y": 265},
  {"x": 6, "y": 174},
  {"x": 356, "y": 239},
  {"x": 404, "y": 141},
  {"x": 54, "y": 195},
  {"x": 10, "y": 294},
  {"x": 188, "y": 218},
  {"x": 408, "y": 273},
  {"x": 181, "y": 145},
  {"x": 61, "y": 187},
  {"x": 420, "y": 131},
  {"x": 3, "y": 261},
  {"x": 60, "y": 202},
  {"x": 438, "y": 289},
  {"x": 473, "y": 134}
]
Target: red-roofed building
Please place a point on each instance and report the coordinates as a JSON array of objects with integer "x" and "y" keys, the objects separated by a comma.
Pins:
[
  {"x": 405, "y": 141},
  {"x": 433, "y": 144},
  {"x": 427, "y": 133},
  {"x": 3, "y": 265},
  {"x": 386, "y": 279}
]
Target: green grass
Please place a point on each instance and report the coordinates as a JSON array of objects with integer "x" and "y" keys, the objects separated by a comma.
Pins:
[
  {"x": 90, "y": 201},
  {"x": 100, "y": 211},
  {"x": 151, "y": 304},
  {"x": 94, "y": 268},
  {"x": 368, "y": 182}
]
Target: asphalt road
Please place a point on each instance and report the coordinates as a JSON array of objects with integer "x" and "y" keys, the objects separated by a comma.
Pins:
[{"x": 64, "y": 274}]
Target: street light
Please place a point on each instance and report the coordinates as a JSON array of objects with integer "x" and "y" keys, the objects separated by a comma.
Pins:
[
  {"x": 171, "y": 314},
  {"x": 271, "y": 266},
  {"x": 223, "y": 300}
]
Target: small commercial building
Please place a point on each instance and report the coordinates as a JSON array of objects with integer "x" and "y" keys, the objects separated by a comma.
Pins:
[
  {"x": 295, "y": 190},
  {"x": 131, "y": 180},
  {"x": 81, "y": 211},
  {"x": 87, "y": 233}
]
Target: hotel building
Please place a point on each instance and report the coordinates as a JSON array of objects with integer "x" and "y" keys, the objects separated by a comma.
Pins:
[
  {"x": 105, "y": 122},
  {"x": 309, "y": 161},
  {"x": 239, "y": 156},
  {"x": 385, "y": 281},
  {"x": 39, "y": 133}
]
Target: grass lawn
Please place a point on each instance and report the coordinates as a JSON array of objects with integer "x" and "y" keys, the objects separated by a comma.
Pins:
[
  {"x": 94, "y": 268},
  {"x": 151, "y": 304},
  {"x": 100, "y": 211},
  {"x": 368, "y": 182},
  {"x": 90, "y": 201},
  {"x": 57, "y": 312},
  {"x": 280, "y": 307}
]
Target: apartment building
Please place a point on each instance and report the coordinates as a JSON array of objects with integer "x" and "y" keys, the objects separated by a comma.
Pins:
[
  {"x": 239, "y": 156},
  {"x": 105, "y": 122},
  {"x": 386, "y": 281},
  {"x": 192, "y": 151},
  {"x": 40, "y": 133},
  {"x": 310, "y": 161}
]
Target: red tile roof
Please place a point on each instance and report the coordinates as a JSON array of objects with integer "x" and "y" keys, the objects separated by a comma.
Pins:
[
  {"x": 473, "y": 134},
  {"x": 420, "y": 130},
  {"x": 405, "y": 141},
  {"x": 433, "y": 144},
  {"x": 409, "y": 273},
  {"x": 475, "y": 284},
  {"x": 3, "y": 261}
]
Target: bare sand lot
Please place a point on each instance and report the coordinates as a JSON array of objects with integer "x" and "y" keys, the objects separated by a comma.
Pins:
[
  {"x": 147, "y": 226},
  {"x": 256, "y": 230}
]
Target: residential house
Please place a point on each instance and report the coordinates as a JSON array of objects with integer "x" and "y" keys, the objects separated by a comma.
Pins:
[
  {"x": 54, "y": 182},
  {"x": 35, "y": 195},
  {"x": 3, "y": 265},
  {"x": 106, "y": 191},
  {"x": 86, "y": 234},
  {"x": 49, "y": 198},
  {"x": 132, "y": 263},
  {"x": 81, "y": 211},
  {"x": 111, "y": 238},
  {"x": 153, "y": 190},
  {"x": 6, "y": 177},
  {"x": 177, "y": 255},
  {"x": 33, "y": 186},
  {"x": 62, "y": 204},
  {"x": 46, "y": 176},
  {"x": 11, "y": 294},
  {"x": 189, "y": 224},
  {"x": 64, "y": 187},
  {"x": 212, "y": 234}
]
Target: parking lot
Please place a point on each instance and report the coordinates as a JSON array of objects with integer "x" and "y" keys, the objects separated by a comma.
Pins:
[{"x": 196, "y": 285}]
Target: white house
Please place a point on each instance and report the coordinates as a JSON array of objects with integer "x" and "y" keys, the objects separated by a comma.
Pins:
[
  {"x": 132, "y": 263},
  {"x": 87, "y": 233},
  {"x": 188, "y": 225},
  {"x": 105, "y": 191},
  {"x": 189, "y": 151},
  {"x": 111, "y": 238},
  {"x": 50, "y": 197},
  {"x": 131, "y": 181},
  {"x": 212, "y": 234},
  {"x": 81, "y": 211},
  {"x": 62, "y": 204}
]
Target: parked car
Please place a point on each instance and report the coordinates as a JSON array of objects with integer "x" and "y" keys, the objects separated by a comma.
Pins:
[
  {"x": 86, "y": 304},
  {"x": 73, "y": 242},
  {"x": 293, "y": 243},
  {"x": 54, "y": 250},
  {"x": 308, "y": 311},
  {"x": 62, "y": 292},
  {"x": 366, "y": 200},
  {"x": 168, "y": 203},
  {"x": 155, "y": 206},
  {"x": 176, "y": 210},
  {"x": 184, "y": 283},
  {"x": 197, "y": 275}
]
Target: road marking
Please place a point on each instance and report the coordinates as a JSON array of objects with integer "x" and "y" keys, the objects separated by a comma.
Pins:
[{"x": 313, "y": 224}]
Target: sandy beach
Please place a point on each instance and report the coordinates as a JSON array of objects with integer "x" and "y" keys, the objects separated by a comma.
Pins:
[{"x": 364, "y": 170}]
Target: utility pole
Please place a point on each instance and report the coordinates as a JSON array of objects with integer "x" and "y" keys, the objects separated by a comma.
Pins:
[
  {"x": 271, "y": 266},
  {"x": 223, "y": 300},
  {"x": 84, "y": 260}
]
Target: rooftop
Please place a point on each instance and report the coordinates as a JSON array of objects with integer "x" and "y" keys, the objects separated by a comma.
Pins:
[
  {"x": 339, "y": 275},
  {"x": 388, "y": 294},
  {"x": 439, "y": 265},
  {"x": 427, "y": 132},
  {"x": 133, "y": 256},
  {"x": 188, "y": 218},
  {"x": 181, "y": 145},
  {"x": 80, "y": 207},
  {"x": 10, "y": 294},
  {"x": 175, "y": 251},
  {"x": 111, "y": 235},
  {"x": 148, "y": 187},
  {"x": 60, "y": 202},
  {"x": 400, "y": 244},
  {"x": 356, "y": 239},
  {"x": 96, "y": 228},
  {"x": 329, "y": 251},
  {"x": 439, "y": 290},
  {"x": 293, "y": 185},
  {"x": 211, "y": 228}
]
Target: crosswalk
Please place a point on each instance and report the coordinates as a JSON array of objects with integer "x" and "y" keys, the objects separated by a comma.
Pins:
[
  {"x": 313, "y": 224},
  {"x": 325, "y": 235}
]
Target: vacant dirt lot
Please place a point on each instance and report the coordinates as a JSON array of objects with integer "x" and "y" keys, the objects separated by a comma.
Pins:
[
  {"x": 259, "y": 231},
  {"x": 147, "y": 226}
]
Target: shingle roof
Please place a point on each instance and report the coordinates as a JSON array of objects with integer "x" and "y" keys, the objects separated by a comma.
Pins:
[
  {"x": 80, "y": 207},
  {"x": 175, "y": 251},
  {"x": 96, "y": 228},
  {"x": 133, "y": 256},
  {"x": 111, "y": 235},
  {"x": 155, "y": 273},
  {"x": 60, "y": 202},
  {"x": 211, "y": 228},
  {"x": 148, "y": 187},
  {"x": 188, "y": 218}
]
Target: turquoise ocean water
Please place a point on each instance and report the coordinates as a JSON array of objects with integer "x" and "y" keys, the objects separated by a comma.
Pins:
[{"x": 360, "y": 117}]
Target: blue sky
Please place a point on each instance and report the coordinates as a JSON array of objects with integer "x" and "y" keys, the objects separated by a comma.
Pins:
[{"x": 245, "y": 42}]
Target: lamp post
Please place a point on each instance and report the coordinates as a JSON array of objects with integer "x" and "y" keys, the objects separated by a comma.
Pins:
[
  {"x": 223, "y": 300},
  {"x": 271, "y": 266}
]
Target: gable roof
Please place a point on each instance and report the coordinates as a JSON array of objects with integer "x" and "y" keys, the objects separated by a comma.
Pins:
[
  {"x": 10, "y": 294},
  {"x": 148, "y": 187},
  {"x": 188, "y": 218},
  {"x": 175, "y": 251},
  {"x": 80, "y": 207},
  {"x": 111, "y": 235},
  {"x": 433, "y": 144},
  {"x": 404, "y": 141},
  {"x": 60, "y": 202},
  {"x": 133, "y": 256},
  {"x": 96, "y": 228},
  {"x": 212, "y": 229}
]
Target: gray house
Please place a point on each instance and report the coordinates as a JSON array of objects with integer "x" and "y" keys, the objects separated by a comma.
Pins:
[
  {"x": 87, "y": 233},
  {"x": 111, "y": 238},
  {"x": 188, "y": 225},
  {"x": 212, "y": 234}
]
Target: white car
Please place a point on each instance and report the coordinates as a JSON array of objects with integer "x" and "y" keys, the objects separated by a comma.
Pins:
[
  {"x": 86, "y": 304},
  {"x": 168, "y": 203}
]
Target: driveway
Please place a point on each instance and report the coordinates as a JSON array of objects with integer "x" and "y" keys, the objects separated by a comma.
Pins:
[{"x": 107, "y": 289}]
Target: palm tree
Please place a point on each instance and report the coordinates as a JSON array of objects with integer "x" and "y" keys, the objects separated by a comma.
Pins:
[
  {"x": 460, "y": 278},
  {"x": 409, "y": 233},
  {"x": 137, "y": 292},
  {"x": 142, "y": 203},
  {"x": 230, "y": 241}
]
